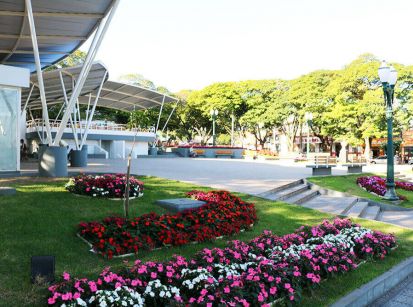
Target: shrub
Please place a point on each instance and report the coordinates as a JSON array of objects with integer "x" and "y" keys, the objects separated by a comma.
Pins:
[
  {"x": 377, "y": 185},
  {"x": 107, "y": 185},
  {"x": 267, "y": 269},
  {"x": 223, "y": 214}
]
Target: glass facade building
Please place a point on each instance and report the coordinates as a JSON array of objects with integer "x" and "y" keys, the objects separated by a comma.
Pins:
[{"x": 9, "y": 128}]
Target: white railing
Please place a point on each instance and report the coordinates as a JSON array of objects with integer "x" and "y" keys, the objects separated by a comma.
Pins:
[{"x": 93, "y": 126}]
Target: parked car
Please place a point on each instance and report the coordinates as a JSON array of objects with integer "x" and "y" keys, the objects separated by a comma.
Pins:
[
  {"x": 410, "y": 161},
  {"x": 383, "y": 160}
]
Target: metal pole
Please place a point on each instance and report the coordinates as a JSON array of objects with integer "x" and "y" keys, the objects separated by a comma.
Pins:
[
  {"x": 390, "y": 186},
  {"x": 232, "y": 128},
  {"x": 36, "y": 55},
  {"x": 70, "y": 117},
  {"x": 27, "y": 100},
  {"x": 213, "y": 130},
  {"x": 89, "y": 120},
  {"x": 160, "y": 113},
  {"x": 308, "y": 140},
  {"x": 97, "y": 40},
  {"x": 169, "y": 117}
]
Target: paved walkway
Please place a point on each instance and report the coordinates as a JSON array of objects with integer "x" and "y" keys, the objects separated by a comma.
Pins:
[
  {"x": 399, "y": 296},
  {"x": 247, "y": 176},
  {"x": 252, "y": 177}
]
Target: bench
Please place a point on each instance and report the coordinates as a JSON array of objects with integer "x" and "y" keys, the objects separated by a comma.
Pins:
[
  {"x": 322, "y": 165},
  {"x": 224, "y": 153},
  {"x": 355, "y": 165},
  {"x": 199, "y": 152}
]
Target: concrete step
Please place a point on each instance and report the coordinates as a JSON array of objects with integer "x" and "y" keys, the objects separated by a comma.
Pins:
[
  {"x": 302, "y": 197},
  {"x": 371, "y": 212},
  {"x": 331, "y": 204},
  {"x": 357, "y": 209},
  {"x": 281, "y": 188},
  {"x": 295, "y": 190}
]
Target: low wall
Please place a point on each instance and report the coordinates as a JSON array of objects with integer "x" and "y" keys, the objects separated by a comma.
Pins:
[{"x": 210, "y": 152}]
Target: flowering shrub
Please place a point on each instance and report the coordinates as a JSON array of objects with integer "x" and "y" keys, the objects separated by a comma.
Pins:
[
  {"x": 107, "y": 185},
  {"x": 210, "y": 146},
  {"x": 223, "y": 214},
  {"x": 377, "y": 185},
  {"x": 259, "y": 272}
]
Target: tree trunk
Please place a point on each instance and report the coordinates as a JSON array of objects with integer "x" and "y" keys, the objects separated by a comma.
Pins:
[
  {"x": 367, "y": 149},
  {"x": 343, "y": 152}
]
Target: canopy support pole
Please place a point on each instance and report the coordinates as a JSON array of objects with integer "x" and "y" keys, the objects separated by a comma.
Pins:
[
  {"x": 160, "y": 113},
  {"x": 92, "y": 112},
  {"x": 97, "y": 40},
  {"x": 169, "y": 117},
  {"x": 65, "y": 103},
  {"x": 36, "y": 55},
  {"x": 35, "y": 126},
  {"x": 27, "y": 100}
]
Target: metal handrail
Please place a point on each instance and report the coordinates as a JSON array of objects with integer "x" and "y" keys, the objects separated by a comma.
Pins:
[{"x": 93, "y": 126}]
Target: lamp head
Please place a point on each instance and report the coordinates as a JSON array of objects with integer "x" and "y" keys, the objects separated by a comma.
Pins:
[
  {"x": 392, "y": 75},
  {"x": 384, "y": 72}
]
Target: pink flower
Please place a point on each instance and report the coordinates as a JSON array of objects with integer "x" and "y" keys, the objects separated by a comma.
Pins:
[
  {"x": 67, "y": 296},
  {"x": 66, "y": 276},
  {"x": 227, "y": 290},
  {"x": 273, "y": 290},
  {"x": 51, "y": 301}
]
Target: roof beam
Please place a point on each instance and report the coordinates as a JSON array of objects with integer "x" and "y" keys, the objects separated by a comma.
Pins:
[
  {"x": 53, "y": 14},
  {"x": 44, "y": 37},
  {"x": 31, "y": 52}
]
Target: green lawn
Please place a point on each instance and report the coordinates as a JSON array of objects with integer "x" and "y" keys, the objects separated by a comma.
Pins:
[
  {"x": 348, "y": 184},
  {"x": 42, "y": 219}
]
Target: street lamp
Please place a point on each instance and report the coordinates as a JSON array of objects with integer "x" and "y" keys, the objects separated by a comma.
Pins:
[
  {"x": 214, "y": 114},
  {"x": 388, "y": 78},
  {"x": 309, "y": 119}
]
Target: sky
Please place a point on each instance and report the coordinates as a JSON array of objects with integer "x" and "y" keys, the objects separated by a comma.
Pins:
[{"x": 189, "y": 44}]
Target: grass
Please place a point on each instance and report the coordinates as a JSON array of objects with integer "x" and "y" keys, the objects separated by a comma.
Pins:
[
  {"x": 348, "y": 184},
  {"x": 41, "y": 220}
]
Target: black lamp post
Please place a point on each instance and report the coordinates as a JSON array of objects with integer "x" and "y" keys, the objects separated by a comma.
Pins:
[
  {"x": 214, "y": 114},
  {"x": 388, "y": 78}
]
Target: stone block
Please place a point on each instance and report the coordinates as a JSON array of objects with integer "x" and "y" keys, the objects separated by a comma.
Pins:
[
  {"x": 180, "y": 204},
  {"x": 7, "y": 191}
]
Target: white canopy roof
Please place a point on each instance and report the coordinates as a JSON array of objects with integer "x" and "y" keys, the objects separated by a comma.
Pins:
[
  {"x": 53, "y": 87},
  {"x": 61, "y": 26},
  {"x": 126, "y": 97}
]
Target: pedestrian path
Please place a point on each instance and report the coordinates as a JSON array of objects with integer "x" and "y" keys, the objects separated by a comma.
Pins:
[
  {"x": 399, "y": 296},
  {"x": 302, "y": 193}
]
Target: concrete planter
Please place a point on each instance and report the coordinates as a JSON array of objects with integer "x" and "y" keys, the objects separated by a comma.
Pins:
[
  {"x": 78, "y": 158},
  {"x": 237, "y": 153},
  {"x": 153, "y": 151},
  {"x": 53, "y": 162}
]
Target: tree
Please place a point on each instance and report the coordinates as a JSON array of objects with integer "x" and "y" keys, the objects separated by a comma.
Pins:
[
  {"x": 137, "y": 79},
  {"x": 76, "y": 58},
  {"x": 308, "y": 93}
]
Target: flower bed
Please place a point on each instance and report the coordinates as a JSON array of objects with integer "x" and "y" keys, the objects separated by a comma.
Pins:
[
  {"x": 107, "y": 185},
  {"x": 223, "y": 214},
  {"x": 210, "y": 146},
  {"x": 377, "y": 185},
  {"x": 267, "y": 269}
]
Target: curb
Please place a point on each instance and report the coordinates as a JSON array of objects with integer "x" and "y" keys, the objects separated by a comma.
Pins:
[{"x": 368, "y": 293}]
